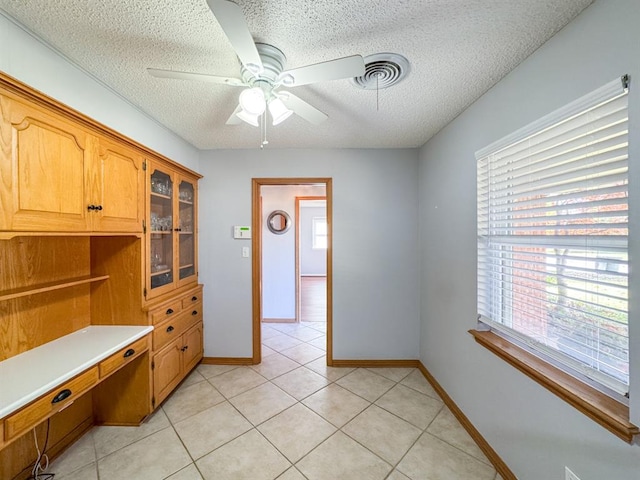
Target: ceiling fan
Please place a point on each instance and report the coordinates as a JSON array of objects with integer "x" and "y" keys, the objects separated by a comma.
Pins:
[{"x": 263, "y": 73}]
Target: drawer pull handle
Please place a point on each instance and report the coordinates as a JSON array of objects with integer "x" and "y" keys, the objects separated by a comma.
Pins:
[
  {"x": 170, "y": 311},
  {"x": 129, "y": 352},
  {"x": 195, "y": 312},
  {"x": 170, "y": 329},
  {"x": 66, "y": 393},
  {"x": 194, "y": 298}
]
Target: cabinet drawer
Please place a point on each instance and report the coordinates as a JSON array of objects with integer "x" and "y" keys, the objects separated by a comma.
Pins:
[
  {"x": 192, "y": 299},
  {"x": 169, "y": 310},
  {"x": 47, "y": 405},
  {"x": 169, "y": 331},
  {"x": 193, "y": 313},
  {"x": 124, "y": 356}
]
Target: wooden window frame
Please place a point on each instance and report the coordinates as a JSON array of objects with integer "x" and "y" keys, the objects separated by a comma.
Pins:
[{"x": 606, "y": 411}]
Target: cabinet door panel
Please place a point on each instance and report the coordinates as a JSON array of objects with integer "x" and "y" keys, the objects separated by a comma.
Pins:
[
  {"x": 167, "y": 370},
  {"x": 162, "y": 230},
  {"x": 193, "y": 344},
  {"x": 187, "y": 231},
  {"x": 120, "y": 190},
  {"x": 49, "y": 159}
]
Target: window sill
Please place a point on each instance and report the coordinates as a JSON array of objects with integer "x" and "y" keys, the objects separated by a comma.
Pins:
[{"x": 612, "y": 415}]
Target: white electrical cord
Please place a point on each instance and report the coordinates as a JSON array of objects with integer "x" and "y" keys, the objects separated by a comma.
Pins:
[{"x": 38, "y": 468}]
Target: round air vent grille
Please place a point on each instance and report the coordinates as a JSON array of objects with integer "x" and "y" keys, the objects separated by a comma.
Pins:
[{"x": 382, "y": 70}]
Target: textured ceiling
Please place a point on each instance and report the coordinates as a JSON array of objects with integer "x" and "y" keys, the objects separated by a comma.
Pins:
[{"x": 457, "y": 49}]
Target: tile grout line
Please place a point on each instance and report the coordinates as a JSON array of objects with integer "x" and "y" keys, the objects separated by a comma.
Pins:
[{"x": 299, "y": 401}]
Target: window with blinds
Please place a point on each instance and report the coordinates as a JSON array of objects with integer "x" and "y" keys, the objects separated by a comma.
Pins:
[{"x": 552, "y": 236}]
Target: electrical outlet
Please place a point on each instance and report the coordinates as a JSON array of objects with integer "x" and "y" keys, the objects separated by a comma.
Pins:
[{"x": 569, "y": 475}]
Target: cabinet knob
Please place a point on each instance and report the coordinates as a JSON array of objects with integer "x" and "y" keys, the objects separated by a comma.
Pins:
[
  {"x": 99, "y": 207},
  {"x": 66, "y": 393},
  {"x": 194, "y": 298},
  {"x": 184, "y": 348},
  {"x": 129, "y": 352},
  {"x": 169, "y": 311},
  {"x": 194, "y": 313},
  {"x": 170, "y": 329},
  {"x": 91, "y": 207}
]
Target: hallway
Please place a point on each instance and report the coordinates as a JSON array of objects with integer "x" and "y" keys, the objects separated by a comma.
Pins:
[{"x": 313, "y": 299}]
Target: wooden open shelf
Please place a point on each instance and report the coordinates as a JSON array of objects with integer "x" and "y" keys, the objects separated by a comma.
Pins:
[
  {"x": 49, "y": 286},
  {"x": 160, "y": 272},
  {"x": 161, "y": 195}
]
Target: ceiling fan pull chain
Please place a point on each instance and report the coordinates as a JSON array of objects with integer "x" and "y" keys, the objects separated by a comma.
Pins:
[{"x": 263, "y": 118}]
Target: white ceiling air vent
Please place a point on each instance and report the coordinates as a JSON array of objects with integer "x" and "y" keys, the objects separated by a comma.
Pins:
[{"x": 382, "y": 70}]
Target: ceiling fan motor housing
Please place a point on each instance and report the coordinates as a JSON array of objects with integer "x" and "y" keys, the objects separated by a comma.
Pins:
[{"x": 273, "y": 62}]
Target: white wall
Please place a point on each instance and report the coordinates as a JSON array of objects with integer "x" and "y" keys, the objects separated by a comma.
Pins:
[
  {"x": 533, "y": 431},
  {"x": 313, "y": 261},
  {"x": 375, "y": 272},
  {"x": 34, "y": 63}
]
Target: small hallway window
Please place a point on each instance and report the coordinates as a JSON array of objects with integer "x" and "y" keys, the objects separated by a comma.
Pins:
[{"x": 319, "y": 232}]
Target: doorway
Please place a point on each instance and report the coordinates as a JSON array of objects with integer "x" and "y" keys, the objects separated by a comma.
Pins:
[
  {"x": 262, "y": 217},
  {"x": 311, "y": 264}
]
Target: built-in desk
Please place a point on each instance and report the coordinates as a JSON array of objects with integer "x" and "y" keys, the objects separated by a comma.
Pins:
[{"x": 42, "y": 381}]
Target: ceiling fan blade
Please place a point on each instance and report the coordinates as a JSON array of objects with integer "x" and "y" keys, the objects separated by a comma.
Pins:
[
  {"x": 234, "y": 25},
  {"x": 301, "y": 108},
  {"x": 345, "y": 67},
  {"x": 201, "y": 77},
  {"x": 234, "y": 119}
]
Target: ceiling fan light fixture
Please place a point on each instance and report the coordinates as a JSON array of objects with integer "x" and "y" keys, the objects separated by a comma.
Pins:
[
  {"x": 279, "y": 112},
  {"x": 252, "y": 101},
  {"x": 248, "y": 118}
]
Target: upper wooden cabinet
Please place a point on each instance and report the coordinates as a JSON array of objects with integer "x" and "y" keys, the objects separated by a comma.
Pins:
[
  {"x": 59, "y": 176},
  {"x": 120, "y": 188},
  {"x": 172, "y": 229}
]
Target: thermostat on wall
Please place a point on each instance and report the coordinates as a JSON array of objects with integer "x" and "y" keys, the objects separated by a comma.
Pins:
[{"x": 241, "y": 232}]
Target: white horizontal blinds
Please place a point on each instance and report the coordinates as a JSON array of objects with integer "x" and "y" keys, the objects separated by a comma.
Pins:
[{"x": 552, "y": 235}]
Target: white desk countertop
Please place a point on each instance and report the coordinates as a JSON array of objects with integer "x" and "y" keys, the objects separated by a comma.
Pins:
[{"x": 27, "y": 376}]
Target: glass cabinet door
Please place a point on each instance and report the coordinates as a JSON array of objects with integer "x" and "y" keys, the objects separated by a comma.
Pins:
[
  {"x": 162, "y": 229},
  {"x": 186, "y": 230}
]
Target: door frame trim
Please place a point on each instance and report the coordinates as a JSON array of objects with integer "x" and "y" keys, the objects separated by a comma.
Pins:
[
  {"x": 256, "y": 257},
  {"x": 298, "y": 200}
]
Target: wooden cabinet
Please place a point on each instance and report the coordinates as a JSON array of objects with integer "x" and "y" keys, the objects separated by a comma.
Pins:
[
  {"x": 58, "y": 176},
  {"x": 193, "y": 347},
  {"x": 49, "y": 404},
  {"x": 119, "y": 192},
  {"x": 177, "y": 341},
  {"x": 172, "y": 230},
  {"x": 124, "y": 356},
  {"x": 75, "y": 197},
  {"x": 33, "y": 394},
  {"x": 167, "y": 370},
  {"x": 174, "y": 361}
]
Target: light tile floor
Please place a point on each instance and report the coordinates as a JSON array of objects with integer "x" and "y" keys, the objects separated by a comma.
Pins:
[{"x": 289, "y": 418}]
